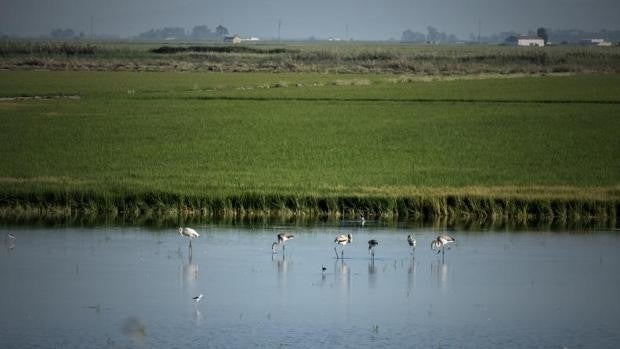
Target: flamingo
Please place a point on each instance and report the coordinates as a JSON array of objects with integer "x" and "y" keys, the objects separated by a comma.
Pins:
[
  {"x": 189, "y": 233},
  {"x": 371, "y": 245},
  {"x": 439, "y": 243},
  {"x": 282, "y": 238},
  {"x": 342, "y": 240}
]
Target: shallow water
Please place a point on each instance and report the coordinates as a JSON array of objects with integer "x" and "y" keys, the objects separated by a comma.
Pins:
[{"x": 133, "y": 287}]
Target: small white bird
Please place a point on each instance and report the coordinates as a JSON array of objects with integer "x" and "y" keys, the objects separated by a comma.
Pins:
[
  {"x": 197, "y": 298},
  {"x": 189, "y": 233},
  {"x": 10, "y": 236},
  {"x": 342, "y": 240},
  {"x": 439, "y": 243}
]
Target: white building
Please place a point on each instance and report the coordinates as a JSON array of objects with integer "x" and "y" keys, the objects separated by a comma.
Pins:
[
  {"x": 235, "y": 39},
  {"x": 530, "y": 41}
]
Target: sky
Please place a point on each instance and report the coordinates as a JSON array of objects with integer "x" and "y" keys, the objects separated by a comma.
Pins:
[{"x": 355, "y": 19}]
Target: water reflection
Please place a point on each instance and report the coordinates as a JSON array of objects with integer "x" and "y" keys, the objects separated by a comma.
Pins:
[
  {"x": 282, "y": 266},
  {"x": 134, "y": 328},
  {"x": 372, "y": 274},
  {"x": 189, "y": 273},
  {"x": 342, "y": 275},
  {"x": 411, "y": 277},
  {"x": 439, "y": 271}
]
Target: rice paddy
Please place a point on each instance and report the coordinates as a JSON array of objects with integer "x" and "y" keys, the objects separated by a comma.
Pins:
[{"x": 310, "y": 144}]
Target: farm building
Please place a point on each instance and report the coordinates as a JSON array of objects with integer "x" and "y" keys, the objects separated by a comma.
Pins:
[
  {"x": 530, "y": 41},
  {"x": 235, "y": 39}
]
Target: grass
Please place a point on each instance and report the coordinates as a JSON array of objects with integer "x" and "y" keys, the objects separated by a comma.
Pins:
[
  {"x": 345, "y": 57},
  {"x": 318, "y": 144}
]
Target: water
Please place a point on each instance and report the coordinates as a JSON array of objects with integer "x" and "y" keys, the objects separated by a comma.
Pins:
[{"x": 133, "y": 287}]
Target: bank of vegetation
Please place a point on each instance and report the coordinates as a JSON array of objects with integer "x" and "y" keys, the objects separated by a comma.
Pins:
[{"x": 318, "y": 57}]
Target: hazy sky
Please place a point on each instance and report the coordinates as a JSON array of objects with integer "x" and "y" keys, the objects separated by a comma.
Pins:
[{"x": 365, "y": 19}]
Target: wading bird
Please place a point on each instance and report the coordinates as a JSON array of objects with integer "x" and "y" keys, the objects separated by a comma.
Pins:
[
  {"x": 197, "y": 298},
  {"x": 283, "y": 238},
  {"x": 439, "y": 243},
  {"x": 190, "y": 233},
  {"x": 323, "y": 268},
  {"x": 371, "y": 247},
  {"x": 342, "y": 240},
  {"x": 362, "y": 219},
  {"x": 411, "y": 241},
  {"x": 9, "y": 241}
]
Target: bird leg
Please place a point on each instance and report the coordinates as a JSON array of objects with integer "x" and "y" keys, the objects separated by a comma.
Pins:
[{"x": 336, "y": 251}]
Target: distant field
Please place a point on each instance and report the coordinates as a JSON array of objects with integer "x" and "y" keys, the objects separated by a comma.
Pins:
[
  {"x": 310, "y": 142},
  {"x": 319, "y": 57}
]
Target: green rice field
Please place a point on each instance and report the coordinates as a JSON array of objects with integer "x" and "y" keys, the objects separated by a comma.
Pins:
[{"x": 310, "y": 144}]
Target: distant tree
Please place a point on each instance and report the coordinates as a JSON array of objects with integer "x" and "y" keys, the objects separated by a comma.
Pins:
[
  {"x": 221, "y": 31},
  {"x": 512, "y": 39},
  {"x": 62, "y": 33},
  {"x": 433, "y": 34},
  {"x": 164, "y": 33},
  {"x": 201, "y": 32},
  {"x": 542, "y": 33},
  {"x": 411, "y": 36}
]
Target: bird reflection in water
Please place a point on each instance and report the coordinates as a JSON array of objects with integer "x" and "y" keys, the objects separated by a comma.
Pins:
[
  {"x": 372, "y": 273},
  {"x": 282, "y": 265},
  {"x": 190, "y": 271},
  {"x": 440, "y": 271},
  {"x": 411, "y": 277},
  {"x": 342, "y": 275}
]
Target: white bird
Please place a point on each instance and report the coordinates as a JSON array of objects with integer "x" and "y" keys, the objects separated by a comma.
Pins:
[
  {"x": 197, "y": 298},
  {"x": 10, "y": 236},
  {"x": 342, "y": 240},
  {"x": 362, "y": 219},
  {"x": 190, "y": 233},
  {"x": 439, "y": 243},
  {"x": 283, "y": 238},
  {"x": 411, "y": 241},
  {"x": 371, "y": 247}
]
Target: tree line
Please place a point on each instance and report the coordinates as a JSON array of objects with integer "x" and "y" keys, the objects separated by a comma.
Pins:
[
  {"x": 197, "y": 32},
  {"x": 558, "y": 36}
]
